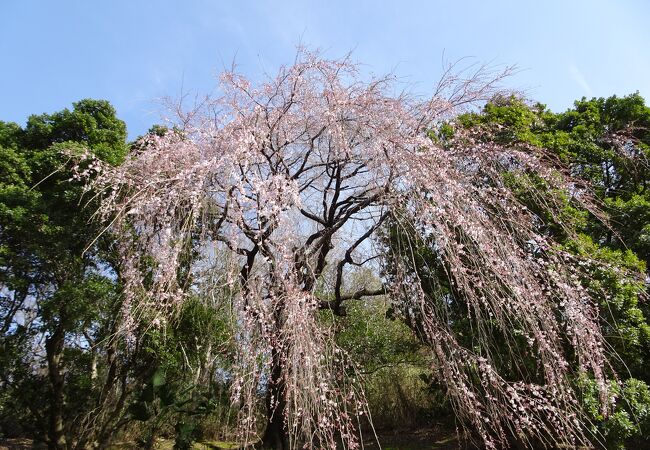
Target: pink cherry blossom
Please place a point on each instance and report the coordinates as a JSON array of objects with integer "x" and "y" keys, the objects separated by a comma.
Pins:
[{"x": 292, "y": 182}]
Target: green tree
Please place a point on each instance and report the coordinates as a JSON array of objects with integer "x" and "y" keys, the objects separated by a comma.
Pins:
[
  {"x": 605, "y": 142},
  {"x": 50, "y": 285},
  {"x": 59, "y": 290}
]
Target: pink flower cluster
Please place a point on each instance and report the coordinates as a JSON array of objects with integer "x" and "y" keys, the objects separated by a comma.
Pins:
[{"x": 290, "y": 181}]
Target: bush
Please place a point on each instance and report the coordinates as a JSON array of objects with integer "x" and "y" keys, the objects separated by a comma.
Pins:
[{"x": 627, "y": 423}]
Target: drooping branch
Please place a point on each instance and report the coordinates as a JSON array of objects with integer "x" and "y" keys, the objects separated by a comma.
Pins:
[{"x": 294, "y": 178}]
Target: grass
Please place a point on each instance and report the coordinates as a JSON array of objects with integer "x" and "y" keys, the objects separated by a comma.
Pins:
[
  {"x": 168, "y": 444},
  {"x": 402, "y": 440},
  {"x": 423, "y": 439}
]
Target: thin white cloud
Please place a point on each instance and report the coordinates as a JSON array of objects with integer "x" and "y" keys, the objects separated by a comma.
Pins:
[{"x": 579, "y": 78}]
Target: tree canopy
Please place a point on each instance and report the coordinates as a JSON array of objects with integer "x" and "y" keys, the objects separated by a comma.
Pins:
[
  {"x": 302, "y": 177},
  {"x": 293, "y": 257}
]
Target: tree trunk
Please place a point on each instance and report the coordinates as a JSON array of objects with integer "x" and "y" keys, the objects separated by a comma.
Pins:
[
  {"x": 275, "y": 436},
  {"x": 54, "y": 349}
]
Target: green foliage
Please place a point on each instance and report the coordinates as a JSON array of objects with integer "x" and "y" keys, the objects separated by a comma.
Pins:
[
  {"x": 615, "y": 280},
  {"x": 177, "y": 363},
  {"x": 392, "y": 363},
  {"x": 44, "y": 228},
  {"x": 536, "y": 195},
  {"x": 630, "y": 216},
  {"x": 510, "y": 120},
  {"x": 374, "y": 339},
  {"x": 51, "y": 289},
  {"x": 605, "y": 142},
  {"x": 170, "y": 369},
  {"x": 91, "y": 123},
  {"x": 627, "y": 421},
  {"x": 403, "y": 397}
]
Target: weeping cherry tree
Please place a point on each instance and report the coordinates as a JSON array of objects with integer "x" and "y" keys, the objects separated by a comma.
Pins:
[{"x": 286, "y": 186}]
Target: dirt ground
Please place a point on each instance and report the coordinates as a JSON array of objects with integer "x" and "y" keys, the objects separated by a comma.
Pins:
[{"x": 421, "y": 439}]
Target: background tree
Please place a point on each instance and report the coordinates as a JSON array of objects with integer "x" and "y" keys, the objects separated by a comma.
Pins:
[
  {"x": 605, "y": 143},
  {"x": 50, "y": 287},
  {"x": 61, "y": 298}
]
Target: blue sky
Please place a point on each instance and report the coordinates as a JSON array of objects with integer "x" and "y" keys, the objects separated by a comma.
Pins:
[{"x": 133, "y": 52}]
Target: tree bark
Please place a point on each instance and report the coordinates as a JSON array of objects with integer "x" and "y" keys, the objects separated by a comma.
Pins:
[
  {"x": 276, "y": 435},
  {"x": 54, "y": 350}
]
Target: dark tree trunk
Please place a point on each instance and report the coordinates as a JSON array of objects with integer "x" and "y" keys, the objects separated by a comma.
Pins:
[
  {"x": 54, "y": 349},
  {"x": 276, "y": 435}
]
